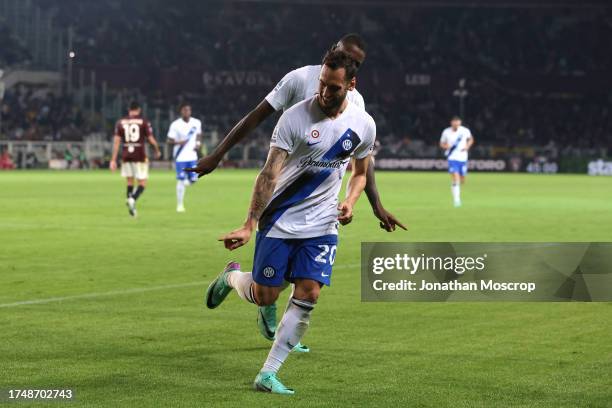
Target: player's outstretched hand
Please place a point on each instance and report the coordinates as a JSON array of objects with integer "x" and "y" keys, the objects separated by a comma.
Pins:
[
  {"x": 205, "y": 165},
  {"x": 388, "y": 222},
  {"x": 346, "y": 213},
  {"x": 112, "y": 165},
  {"x": 236, "y": 238},
  {"x": 158, "y": 155},
  {"x": 346, "y": 221}
]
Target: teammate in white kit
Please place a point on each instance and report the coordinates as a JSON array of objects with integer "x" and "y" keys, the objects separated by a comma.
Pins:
[
  {"x": 301, "y": 84},
  {"x": 456, "y": 140},
  {"x": 184, "y": 134},
  {"x": 294, "y": 87},
  {"x": 295, "y": 208}
]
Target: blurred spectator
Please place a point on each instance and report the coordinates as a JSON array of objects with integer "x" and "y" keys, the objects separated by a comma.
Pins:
[
  {"x": 485, "y": 44},
  {"x": 29, "y": 113},
  {"x": 6, "y": 162}
]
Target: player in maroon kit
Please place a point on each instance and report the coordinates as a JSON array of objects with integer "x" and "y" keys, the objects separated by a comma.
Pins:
[{"x": 134, "y": 131}]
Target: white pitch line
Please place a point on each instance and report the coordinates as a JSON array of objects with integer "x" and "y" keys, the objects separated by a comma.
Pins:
[
  {"x": 119, "y": 292},
  {"x": 101, "y": 294}
]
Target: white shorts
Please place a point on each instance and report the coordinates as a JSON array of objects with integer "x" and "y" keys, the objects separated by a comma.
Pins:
[{"x": 138, "y": 170}]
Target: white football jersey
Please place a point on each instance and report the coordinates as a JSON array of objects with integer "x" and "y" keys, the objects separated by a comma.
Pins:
[
  {"x": 301, "y": 84},
  {"x": 189, "y": 131},
  {"x": 457, "y": 140},
  {"x": 305, "y": 200}
]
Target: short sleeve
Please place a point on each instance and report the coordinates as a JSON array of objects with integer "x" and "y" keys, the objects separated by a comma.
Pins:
[
  {"x": 283, "y": 92},
  {"x": 148, "y": 129},
  {"x": 199, "y": 127},
  {"x": 367, "y": 144},
  {"x": 468, "y": 133},
  {"x": 283, "y": 136},
  {"x": 172, "y": 132},
  {"x": 443, "y": 138},
  {"x": 118, "y": 129}
]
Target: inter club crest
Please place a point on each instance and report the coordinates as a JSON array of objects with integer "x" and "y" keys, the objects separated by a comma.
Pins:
[{"x": 268, "y": 272}]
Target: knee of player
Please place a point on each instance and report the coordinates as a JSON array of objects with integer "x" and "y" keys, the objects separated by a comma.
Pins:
[
  {"x": 265, "y": 296},
  {"x": 266, "y": 300},
  {"x": 309, "y": 292}
]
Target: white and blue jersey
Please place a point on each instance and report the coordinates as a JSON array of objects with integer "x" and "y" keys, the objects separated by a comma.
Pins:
[
  {"x": 185, "y": 156},
  {"x": 456, "y": 154},
  {"x": 304, "y": 203},
  {"x": 297, "y": 232}
]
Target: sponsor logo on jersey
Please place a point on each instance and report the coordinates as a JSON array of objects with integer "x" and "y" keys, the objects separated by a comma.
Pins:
[{"x": 310, "y": 162}]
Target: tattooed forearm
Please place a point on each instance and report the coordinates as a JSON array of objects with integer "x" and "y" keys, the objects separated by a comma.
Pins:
[{"x": 265, "y": 183}]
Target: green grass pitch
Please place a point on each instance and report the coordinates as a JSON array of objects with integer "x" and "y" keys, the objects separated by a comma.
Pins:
[{"x": 128, "y": 327}]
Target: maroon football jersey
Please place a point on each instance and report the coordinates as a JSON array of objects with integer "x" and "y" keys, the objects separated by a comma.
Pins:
[{"x": 134, "y": 132}]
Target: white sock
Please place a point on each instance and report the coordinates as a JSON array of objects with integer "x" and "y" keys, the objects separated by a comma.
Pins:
[
  {"x": 243, "y": 283},
  {"x": 180, "y": 192},
  {"x": 290, "y": 331},
  {"x": 290, "y": 296},
  {"x": 456, "y": 190}
]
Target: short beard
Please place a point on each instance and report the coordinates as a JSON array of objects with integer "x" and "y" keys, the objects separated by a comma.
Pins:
[{"x": 331, "y": 110}]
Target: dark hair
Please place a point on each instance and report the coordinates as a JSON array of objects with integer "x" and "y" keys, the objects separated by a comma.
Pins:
[
  {"x": 354, "y": 39},
  {"x": 134, "y": 105},
  {"x": 336, "y": 59},
  {"x": 456, "y": 117},
  {"x": 182, "y": 105}
]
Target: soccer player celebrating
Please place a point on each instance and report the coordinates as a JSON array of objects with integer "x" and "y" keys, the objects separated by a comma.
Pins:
[
  {"x": 295, "y": 208},
  {"x": 133, "y": 130},
  {"x": 296, "y": 86},
  {"x": 456, "y": 140},
  {"x": 184, "y": 134}
]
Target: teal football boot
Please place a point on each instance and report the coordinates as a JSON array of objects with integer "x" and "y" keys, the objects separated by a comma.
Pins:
[
  {"x": 219, "y": 288},
  {"x": 266, "y": 322},
  {"x": 301, "y": 348},
  {"x": 267, "y": 382}
]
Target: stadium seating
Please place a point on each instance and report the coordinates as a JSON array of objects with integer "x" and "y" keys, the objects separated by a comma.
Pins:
[{"x": 488, "y": 45}]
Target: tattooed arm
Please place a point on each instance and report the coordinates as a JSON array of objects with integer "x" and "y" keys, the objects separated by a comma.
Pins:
[{"x": 262, "y": 192}]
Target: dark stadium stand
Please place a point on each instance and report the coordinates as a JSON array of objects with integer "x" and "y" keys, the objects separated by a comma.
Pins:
[{"x": 527, "y": 69}]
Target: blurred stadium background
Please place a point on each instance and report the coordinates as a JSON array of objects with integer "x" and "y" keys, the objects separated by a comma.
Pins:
[
  {"x": 112, "y": 306},
  {"x": 532, "y": 80}
]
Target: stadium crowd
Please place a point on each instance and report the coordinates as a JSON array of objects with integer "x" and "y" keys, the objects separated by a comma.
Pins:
[
  {"x": 487, "y": 44},
  {"x": 35, "y": 114},
  {"x": 237, "y": 34}
]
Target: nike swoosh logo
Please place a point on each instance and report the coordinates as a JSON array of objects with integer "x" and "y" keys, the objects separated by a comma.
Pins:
[
  {"x": 324, "y": 275},
  {"x": 269, "y": 332},
  {"x": 312, "y": 144},
  {"x": 265, "y": 388}
]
